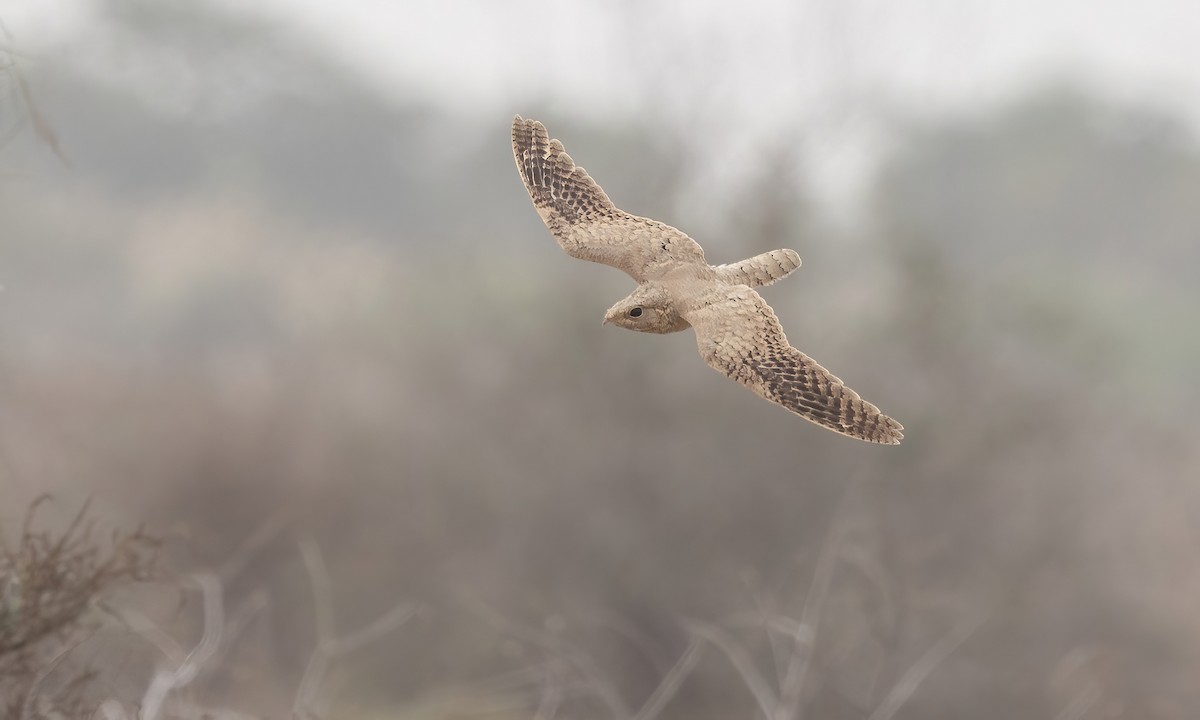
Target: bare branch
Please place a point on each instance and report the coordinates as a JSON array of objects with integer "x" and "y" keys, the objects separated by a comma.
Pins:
[
  {"x": 32, "y": 694},
  {"x": 190, "y": 711},
  {"x": 266, "y": 532},
  {"x": 927, "y": 663},
  {"x": 322, "y": 589},
  {"x": 214, "y": 624},
  {"x": 551, "y": 697},
  {"x": 112, "y": 710},
  {"x": 671, "y": 683},
  {"x": 640, "y": 641},
  {"x": 329, "y": 646},
  {"x": 792, "y": 687},
  {"x": 48, "y": 580},
  {"x": 742, "y": 662},
  {"x": 144, "y": 627},
  {"x": 41, "y": 125},
  {"x": 236, "y": 624},
  {"x": 525, "y": 677},
  {"x": 374, "y": 630},
  {"x": 602, "y": 687},
  {"x": 778, "y": 651},
  {"x": 1078, "y": 707}
]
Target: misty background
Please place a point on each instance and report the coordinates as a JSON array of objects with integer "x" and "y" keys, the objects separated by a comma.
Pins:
[{"x": 272, "y": 287}]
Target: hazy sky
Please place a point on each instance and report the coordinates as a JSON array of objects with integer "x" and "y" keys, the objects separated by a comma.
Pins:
[
  {"x": 816, "y": 69},
  {"x": 923, "y": 51}
]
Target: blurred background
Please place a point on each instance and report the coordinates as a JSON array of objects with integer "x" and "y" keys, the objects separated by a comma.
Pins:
[{"x": 272, "y": 288}]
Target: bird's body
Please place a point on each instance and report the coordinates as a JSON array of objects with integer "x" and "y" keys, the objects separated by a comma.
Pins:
[{"x": 737, "y": 333}]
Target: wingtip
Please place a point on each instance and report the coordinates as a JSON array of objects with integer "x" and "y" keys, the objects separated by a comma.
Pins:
[
  {"x": 527, "y": 131},
  {"x": 895, "y": 435},
  {"x": 889, "y": 439},
  {"x": 885, "y": 431}
]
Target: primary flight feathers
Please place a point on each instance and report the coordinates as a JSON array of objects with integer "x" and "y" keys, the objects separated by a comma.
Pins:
[{"x": 737, "y": 333}]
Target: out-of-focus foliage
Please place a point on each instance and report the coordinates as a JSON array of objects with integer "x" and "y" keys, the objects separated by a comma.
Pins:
[{"x": 271, "y": 296}]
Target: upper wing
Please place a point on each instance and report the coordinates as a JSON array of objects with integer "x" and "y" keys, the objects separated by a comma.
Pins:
[
  {"x": 585, "y": 222},
  {"x": 760, "y": 270},
  {"x": 739, "y": 335}
]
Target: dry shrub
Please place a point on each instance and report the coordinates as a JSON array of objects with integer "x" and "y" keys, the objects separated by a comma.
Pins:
[{"x": 48, "y": 580}]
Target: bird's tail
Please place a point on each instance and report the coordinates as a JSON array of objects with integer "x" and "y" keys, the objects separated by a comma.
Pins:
[{"x": 760, "y": 270}]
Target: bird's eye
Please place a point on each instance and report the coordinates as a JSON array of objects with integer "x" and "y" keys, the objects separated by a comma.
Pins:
[{"x": 636, "y": 312}]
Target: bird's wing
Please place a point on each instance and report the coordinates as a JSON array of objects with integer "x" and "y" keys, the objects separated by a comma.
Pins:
[
  {"x": 760, "y": 270},
  {"x": 582, "y": 218},
  {"x": 739, "y": 335}
]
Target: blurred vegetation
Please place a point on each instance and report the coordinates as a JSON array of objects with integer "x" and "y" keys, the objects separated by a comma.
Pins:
[
  {"x": 49, "y": 581},
  {"x": 268, "y": 310}
]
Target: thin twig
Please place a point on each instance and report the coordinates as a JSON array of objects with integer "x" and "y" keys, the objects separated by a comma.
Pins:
[
  {"x": 1081, "y": 703},
  {"x": 145, "y": 628},
  {"x": 112, "y": 710},
  {"x": 742, "y": 662},
  {"x": 778, "y": 650},
  {"x": 31, "y": 694},
  {"x": 927, "y": 663},
  {"x": 639, "y": 640},
  {"x": 41, "y": 126},
  {"x": 374, "y": 630},
  {"x": 602, "y": 687},
  {"x": 266, "y": 532},
  {"x": 524, "y": 677},
  {"x": 552, "y": 695},
  {"x": 238, "y": 622},
  {"x": 190, "y": 711},
  {"x": 672, "y": 681},
  {"x": 322, "y": 589},
  {"x": 792, "y": 687}
]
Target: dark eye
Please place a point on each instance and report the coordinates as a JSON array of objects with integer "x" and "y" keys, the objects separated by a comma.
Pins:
[{"x": 636, "y": 312}]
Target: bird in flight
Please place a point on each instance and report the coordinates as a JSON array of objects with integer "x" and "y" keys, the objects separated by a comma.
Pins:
[{"x": 736, "y": 330}]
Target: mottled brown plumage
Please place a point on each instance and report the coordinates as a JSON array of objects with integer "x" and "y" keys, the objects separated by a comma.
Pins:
[{"x": 737, "y": 333}]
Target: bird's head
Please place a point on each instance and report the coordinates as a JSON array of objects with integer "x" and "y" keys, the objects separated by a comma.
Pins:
[{"x": 647, "y": 309}]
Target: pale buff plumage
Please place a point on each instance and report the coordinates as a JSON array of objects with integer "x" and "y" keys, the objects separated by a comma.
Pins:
[{"x": 736, "y": 331}]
